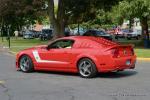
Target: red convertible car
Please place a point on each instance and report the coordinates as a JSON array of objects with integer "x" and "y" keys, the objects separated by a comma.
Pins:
[{"x": 79, "y": 54}]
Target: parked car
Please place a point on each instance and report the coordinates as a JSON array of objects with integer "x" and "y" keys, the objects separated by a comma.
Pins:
[
  {"x": 120, "y": 34},
  {"x": 75, "y": 54},
  {"x": 28, "y": 34},
  {"x": 46, "y": 34},
  {"x": 111, "y": 31},
  {"x": 136, "y": 34},
  {"x": 36, "y": 33},
  {"x": 81, "y": 31},
  {"x": 98, "y": 33},
  {"x": 67, "y": 31}
]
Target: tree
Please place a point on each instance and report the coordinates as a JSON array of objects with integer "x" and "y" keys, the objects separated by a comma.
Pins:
[
  {"x": 75, "y": 11},
  {"x": 57, "y": 20},
  {"x": 130, "y": 9},
  {"x": 141, "y": 9},
  {"x": 18, "y": 13},
  {"x": 68, "y": 11}
]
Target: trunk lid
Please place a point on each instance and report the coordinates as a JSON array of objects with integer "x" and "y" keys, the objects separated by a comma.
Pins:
[{"x": 121, "y": 50}]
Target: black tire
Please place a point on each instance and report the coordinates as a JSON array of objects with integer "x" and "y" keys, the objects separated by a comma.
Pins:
[
  {"x": 26, "y": 64},
  {"x": 90, "y": 68}
]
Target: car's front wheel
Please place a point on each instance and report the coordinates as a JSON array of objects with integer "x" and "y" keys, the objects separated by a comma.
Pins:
[
  {"x": 87, "y": 68},
  {"x": 26, "y": 64}
]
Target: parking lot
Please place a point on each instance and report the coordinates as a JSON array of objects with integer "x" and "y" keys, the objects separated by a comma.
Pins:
[{"x": 127, "y": 85}]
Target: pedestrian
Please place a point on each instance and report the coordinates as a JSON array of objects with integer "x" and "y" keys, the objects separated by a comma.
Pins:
[
  {"x": 116, "y": 32},
  {"x": 16, "y": 34}
]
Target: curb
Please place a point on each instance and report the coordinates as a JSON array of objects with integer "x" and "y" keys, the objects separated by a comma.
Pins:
[
  {"x": 143, "y": 59},
  {"x": 11, "y": 52},
  {"x": 2, "y": 82}
]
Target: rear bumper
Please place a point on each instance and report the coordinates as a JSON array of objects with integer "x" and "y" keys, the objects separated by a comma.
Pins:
[
  {"x": 117, "y": 64},
  {"x": 124, "y": 63}
]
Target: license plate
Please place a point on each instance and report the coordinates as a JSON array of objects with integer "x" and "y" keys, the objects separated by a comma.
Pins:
[{"x": 128, "y": 62}]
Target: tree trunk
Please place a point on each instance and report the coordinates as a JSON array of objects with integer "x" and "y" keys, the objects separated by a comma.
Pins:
[
  {"x": 144, "y": 24},
  {"x": 58, "y": 21},
  {"x": 58, "y": 30},
  {"x": 2, "y": 24},
  {"x": 131, "y": 21}
]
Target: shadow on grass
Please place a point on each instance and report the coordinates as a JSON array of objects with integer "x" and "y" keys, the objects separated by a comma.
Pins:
[{"x": 100, "y": 75}]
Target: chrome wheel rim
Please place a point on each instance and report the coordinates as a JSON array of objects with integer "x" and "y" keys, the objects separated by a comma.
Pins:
[
  {"x": 24, "y": 64},
  {"x": 85, "y": 68}
]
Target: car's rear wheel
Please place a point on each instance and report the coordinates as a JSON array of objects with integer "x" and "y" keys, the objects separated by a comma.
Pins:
[
  {"x": 26, "y": 64},
  {"x": 87, "y": 68}
]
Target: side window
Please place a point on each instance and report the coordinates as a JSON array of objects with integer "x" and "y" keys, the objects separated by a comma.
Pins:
[
  {"x": 61, "y": 44},
  {"x": 99, "y": 33}
]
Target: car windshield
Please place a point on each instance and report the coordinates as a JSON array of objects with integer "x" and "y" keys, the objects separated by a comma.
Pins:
[
  {"x": 100, "y": 33},
  {"x": 95, "y": 33},
  {"x": 28, "y": 33}
]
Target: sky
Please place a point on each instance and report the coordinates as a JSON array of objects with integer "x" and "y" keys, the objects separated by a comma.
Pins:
[{"x": 55, "y": 2}]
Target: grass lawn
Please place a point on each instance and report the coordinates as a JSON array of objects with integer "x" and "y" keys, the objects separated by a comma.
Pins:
[
  {"x": 142, "y": 53},
  {"x": 20, "y": 44},
  {"x": 139, "y": 49},
  {"x": 136, "y": 43}
]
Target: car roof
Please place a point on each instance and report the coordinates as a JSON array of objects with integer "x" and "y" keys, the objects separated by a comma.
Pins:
[
  {"x": 91, "y": 38},
  {"x": 75, "y": 37}
]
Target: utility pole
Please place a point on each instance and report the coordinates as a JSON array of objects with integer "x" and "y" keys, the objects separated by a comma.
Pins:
[
  {"x": 2, "y": 29},
  {"x": 2, "y": 34},
  {"x": 8, "y": 33}
]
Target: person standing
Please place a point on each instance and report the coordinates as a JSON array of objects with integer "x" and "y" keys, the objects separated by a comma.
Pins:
[
  {"x": 116, "y": 32},
  {"x": 16, "y": 34}
]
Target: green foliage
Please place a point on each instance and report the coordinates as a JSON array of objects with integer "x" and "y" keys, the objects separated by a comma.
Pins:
[
  {"x": 129, "y": 9},
  {"x": 78, "y": 11},
  {"x": 17, "y": 13},
  {"x": 140, "y": 8}
]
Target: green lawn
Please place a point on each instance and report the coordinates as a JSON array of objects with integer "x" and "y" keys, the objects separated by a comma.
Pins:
[
  {"x": 142, "y": 53},
  {"x": 136, "y": 43},
  {"x": 20, "y": 44}
]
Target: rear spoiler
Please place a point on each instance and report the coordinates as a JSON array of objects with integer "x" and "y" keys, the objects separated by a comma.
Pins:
[{"x": 117, "y": 46}]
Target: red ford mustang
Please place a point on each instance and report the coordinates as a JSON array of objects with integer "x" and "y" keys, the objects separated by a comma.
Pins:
[{"x": 79, "y": 54}]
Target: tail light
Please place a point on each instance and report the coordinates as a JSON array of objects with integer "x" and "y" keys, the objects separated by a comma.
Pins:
[{"x": 115, "y": 53}]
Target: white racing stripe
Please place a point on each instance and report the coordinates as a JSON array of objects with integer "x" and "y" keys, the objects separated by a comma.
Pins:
[{"x": 39, "y": 60}]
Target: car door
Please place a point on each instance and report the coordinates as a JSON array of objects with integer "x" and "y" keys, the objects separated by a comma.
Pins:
[{"x": 57, "y": 55}]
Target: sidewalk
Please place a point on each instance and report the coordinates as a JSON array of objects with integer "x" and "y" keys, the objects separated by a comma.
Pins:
[
  {"x": 6, "y": 50},
  {"x": 2, "y": 49},
  {"x": 143, "y": 59}
]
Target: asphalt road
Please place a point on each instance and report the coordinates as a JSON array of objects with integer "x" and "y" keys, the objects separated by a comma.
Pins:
[{"x": 127, "y": 85}]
